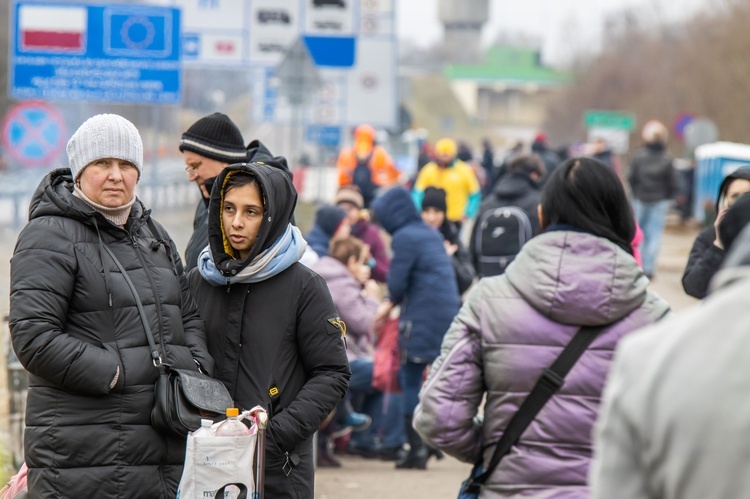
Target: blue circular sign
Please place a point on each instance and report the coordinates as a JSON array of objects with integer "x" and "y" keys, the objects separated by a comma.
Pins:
[{"x": 33, "y": 133}]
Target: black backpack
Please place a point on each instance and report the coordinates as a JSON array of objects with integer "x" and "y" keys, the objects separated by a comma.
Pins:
[
  {"x": 499, "y": 236},
  {"x": 362, "y": 178}
]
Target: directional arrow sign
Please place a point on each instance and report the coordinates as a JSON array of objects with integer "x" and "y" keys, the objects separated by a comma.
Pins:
[{"x": 297, "y": 74}]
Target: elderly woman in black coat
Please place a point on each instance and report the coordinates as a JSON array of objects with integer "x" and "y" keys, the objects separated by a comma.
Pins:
[{"x": 76, "y": 328}]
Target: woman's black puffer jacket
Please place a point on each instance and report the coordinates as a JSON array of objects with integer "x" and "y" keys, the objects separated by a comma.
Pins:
[{"x": 73, "y": 322}]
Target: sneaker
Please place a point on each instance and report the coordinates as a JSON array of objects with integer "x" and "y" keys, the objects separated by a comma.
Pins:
[{"x": 357, "y": 421}]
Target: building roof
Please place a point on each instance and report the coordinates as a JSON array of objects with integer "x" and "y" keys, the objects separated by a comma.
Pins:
[{"x": 509, "y": 65}]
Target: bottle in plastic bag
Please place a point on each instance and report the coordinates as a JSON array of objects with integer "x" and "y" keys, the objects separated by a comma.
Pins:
[
  {"x": 232, "y": 426},
  {"x": 205, "y": 429}
]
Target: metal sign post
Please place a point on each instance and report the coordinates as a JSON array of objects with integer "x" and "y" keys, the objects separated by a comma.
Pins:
[{"x": 298, "y": 79}]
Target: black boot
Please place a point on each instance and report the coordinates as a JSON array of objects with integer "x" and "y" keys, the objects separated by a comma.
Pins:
[{"x": 418, "y": 454}]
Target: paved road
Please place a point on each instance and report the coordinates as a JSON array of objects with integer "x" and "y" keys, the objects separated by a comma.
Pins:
[{"x": 370, "y": 479}]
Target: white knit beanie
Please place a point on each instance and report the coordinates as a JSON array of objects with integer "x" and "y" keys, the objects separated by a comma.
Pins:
[{"x": 104, "y": 136}]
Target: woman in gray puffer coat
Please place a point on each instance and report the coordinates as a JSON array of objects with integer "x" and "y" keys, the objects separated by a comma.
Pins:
[
  {"x": 76, "y": 329},
  {"x": 579, "y": 272}
]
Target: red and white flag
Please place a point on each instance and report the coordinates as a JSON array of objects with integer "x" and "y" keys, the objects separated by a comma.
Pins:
[{"x": 52, "y": 28}]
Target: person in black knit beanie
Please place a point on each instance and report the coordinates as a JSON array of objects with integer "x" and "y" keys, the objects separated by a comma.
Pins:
[{"x": 207, "y": 147}]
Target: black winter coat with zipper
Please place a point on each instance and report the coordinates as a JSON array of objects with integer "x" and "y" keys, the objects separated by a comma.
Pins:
[
  {"x": 73, "y": 323},
  {"x": 279, "y": 333}
]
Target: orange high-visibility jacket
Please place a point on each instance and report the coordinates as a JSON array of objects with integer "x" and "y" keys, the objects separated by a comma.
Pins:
[{"x": 381, "y": 165}]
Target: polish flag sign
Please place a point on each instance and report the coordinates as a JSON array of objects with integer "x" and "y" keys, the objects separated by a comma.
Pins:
[{"x": 52, "y": 28}]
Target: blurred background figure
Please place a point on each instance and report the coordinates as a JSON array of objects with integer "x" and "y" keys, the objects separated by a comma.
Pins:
[
  {"x": 433, "y": 214},
  {"x": 708, "y": 251},
  {"x": 356, "y": 298},
  {"x": 507, "y": 217},
  {"x": 488, "y": 163},
  {"x": 548, "y": 156},
  {"x": 366, "y": 165},
  {"x": 422, "y": 282},
  {"x": 653, "y": 185},
  {"x": 331, "y": 223},
  {"x": 502, "y": 169},
  {"x": 602, "y": 151},
  {"x": 350, "y": 200},
  {"x": 455, "y": 177}
]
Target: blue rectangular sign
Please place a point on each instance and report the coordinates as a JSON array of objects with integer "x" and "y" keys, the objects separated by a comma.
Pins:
[
  {"x": 324, "y": 135},
  {"x": 114, "y": 53}
]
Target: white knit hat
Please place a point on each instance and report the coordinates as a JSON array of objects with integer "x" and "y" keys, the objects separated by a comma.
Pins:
[{"x": 105, "y": 136}]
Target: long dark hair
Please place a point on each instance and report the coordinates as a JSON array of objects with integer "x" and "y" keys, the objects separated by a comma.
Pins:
[{"x": 586, "y": 194}]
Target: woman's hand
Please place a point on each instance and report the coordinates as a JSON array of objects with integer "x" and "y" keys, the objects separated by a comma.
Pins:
[{"x": 717, "y": 222}]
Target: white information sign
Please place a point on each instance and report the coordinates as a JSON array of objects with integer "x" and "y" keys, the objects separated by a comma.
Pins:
[
  {"x": 273, "y": 27},
  {"x": 329, "y": 17},
  {"x": 370, "y": 83}
]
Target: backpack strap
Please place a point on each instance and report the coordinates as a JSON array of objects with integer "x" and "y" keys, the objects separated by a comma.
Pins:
[{"x": 548, "y": 384}]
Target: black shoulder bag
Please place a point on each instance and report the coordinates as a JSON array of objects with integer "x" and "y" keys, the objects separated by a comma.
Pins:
[
  {"x": 182, "y": 397},
  {"x": 551, "y": 381}
]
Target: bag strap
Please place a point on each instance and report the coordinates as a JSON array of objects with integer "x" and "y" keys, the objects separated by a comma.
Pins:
[
  {"x": 551, "y": 381},
  {"x": 155, "y": 356},
  {"x": 243, "y": 491}
]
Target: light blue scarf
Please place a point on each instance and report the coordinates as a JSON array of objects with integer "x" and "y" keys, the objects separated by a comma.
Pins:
[{"x": 287, "y": 249}]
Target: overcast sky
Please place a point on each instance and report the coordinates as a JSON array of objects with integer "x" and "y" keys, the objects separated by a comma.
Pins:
[{"x": 561, "y": 25}]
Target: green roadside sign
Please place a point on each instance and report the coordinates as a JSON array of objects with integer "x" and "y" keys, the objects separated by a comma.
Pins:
[{"x": 608, "y": 119}]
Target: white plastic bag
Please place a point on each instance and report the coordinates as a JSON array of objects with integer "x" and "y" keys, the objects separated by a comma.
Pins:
[{"x": 212, "y": 462}]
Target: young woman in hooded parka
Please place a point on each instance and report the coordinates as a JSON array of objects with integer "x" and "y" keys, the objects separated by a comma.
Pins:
[{"x": 271, "y": 324}]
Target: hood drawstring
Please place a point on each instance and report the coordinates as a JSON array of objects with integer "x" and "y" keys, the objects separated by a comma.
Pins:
[{"x": 107, "y": 280}]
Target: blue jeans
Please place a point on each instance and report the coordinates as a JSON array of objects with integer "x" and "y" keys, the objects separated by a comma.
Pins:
[
  {"x": 387, "y": 428},
  {"x": 651, "y": 218}
]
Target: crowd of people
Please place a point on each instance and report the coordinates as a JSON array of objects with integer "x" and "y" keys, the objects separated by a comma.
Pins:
[{"x": 383, "y": 287}]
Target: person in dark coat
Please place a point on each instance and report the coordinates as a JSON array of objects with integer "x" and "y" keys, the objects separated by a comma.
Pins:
[
  {"x": 272, "y": 326},
  {"x": 331, "y": 223},
  {"x": 519, "y": 187},
  {"x": 654, "y": 184},
  {"x": 433, "y": 214},
  {"x": 488, "y": 163},
  {"x": 207, "y": 147},
  {"x": 548, "y": 156},
  {"x": 75, "y": 327},
  {"x": 708, "y": 251},
  {"x": 422, "y": 282}
]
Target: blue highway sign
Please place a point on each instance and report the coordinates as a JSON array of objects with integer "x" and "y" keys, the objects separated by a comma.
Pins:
[{"x": 75, "y": 51}]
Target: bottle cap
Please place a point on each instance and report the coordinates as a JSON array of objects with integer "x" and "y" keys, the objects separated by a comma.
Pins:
[
  {"x": 206, "y": 423},
  {"x": 233, "y": 412}
]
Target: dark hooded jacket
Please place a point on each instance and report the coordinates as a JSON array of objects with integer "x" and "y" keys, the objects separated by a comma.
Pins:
[
  {"x": 421, "y": 279},
  {"x": 276, "y": 342},
  {"x": 73, "y": 322},
  {"x": 327, "y": 221},
  {"x": 705, "y": 257},
  {"x": 256, "y": 151},
  {"x": 652, "y": 175},
  {"x": 514, "y": 189}
]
